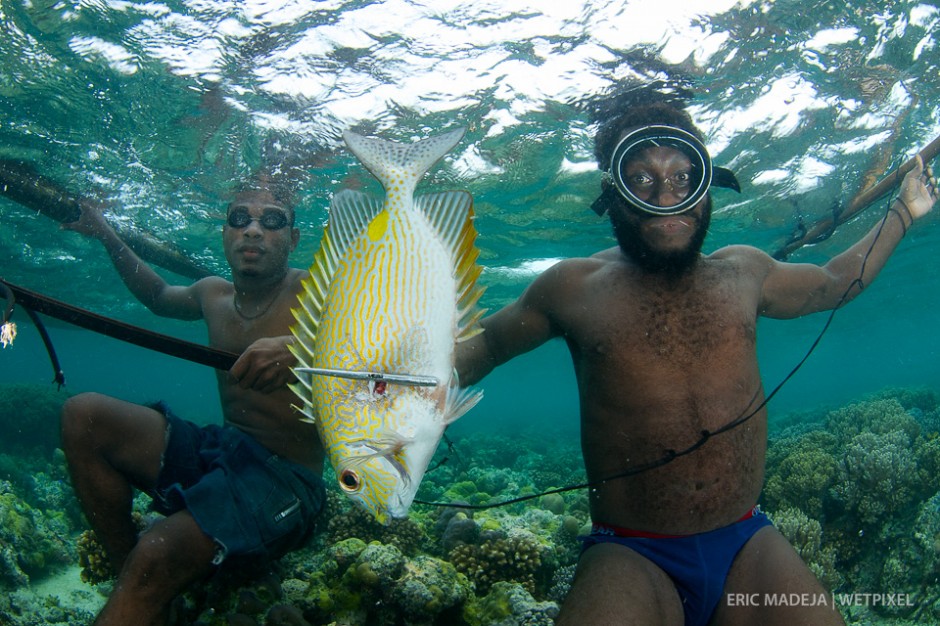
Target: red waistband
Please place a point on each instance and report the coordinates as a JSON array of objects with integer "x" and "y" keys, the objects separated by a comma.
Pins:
[{"x": 619, "y": 531}]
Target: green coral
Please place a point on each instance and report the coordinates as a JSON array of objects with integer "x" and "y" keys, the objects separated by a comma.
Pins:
[
  {"x": 800, "y": 472},
  {"x": 92, "y": 558},
  {"x": 878, "y": 476},
  {"x": 515, "y": 559},
  {"x": 880, "y": 416},
  {"x": 806, "y": 536},
  {"x": 509, "y": 604},
  {"x": 428, "y": 588},
  {"x": 353, "y": 521},
  {"x": 30, "y": 542}
]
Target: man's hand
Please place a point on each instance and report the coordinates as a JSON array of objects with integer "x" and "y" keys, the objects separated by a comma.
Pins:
[
  {"x": 919, "y": 190},
  {"x": 91, "y": 223},
  {"x": 265, "y": 365}
]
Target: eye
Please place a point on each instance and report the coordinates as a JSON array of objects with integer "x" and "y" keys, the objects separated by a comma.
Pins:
[
  {"x": 349, "y": 481},
  {"x": 682, "y": 179},
  {"x": 274, "y": 219},
  {"x": 239, "y": 218},
  {"x": 640, "y": 180}
]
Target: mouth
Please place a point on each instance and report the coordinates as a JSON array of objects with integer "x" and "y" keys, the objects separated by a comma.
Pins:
[
  {"x": 672, "y": 225},
  {"x": 251, "y": 252}
]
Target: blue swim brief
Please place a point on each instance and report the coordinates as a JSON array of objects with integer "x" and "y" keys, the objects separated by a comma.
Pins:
[
  {"x": 251, "y": 502},
  {"x": 697, "y": 564}
]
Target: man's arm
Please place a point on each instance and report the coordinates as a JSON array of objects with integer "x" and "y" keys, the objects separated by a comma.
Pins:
[
  {"x": 513, "y": 330},
  {"x": 794, "y": 289},
  {"x": 147, "y": 286}
]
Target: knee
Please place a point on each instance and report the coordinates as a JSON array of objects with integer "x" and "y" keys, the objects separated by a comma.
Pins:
[{"x": 77, "y": 419}]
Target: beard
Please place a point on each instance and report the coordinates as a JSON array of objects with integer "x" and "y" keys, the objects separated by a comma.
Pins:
[{"x": 671, "y": 263}]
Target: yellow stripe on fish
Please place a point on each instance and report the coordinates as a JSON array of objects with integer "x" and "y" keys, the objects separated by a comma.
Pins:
[{"x": 391, "y": 290}]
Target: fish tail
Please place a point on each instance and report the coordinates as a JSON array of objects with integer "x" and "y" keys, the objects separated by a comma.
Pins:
[{"x": 399, "y": 167}]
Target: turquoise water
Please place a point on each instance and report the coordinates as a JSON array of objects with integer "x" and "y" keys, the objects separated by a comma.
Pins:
[{"x": 157, "y": 109}]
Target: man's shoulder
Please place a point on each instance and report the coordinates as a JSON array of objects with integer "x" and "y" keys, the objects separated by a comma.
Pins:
[
  {"x": 212, "y": 286},
  {"x": 573, "y": 267},
  {"x": 740, "y": 253}
]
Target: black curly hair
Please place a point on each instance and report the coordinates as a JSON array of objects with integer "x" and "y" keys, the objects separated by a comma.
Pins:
[{"x": 610, "y": 130}]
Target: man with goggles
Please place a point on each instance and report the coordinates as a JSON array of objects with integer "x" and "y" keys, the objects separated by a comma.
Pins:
[
  {"x": 272, "y": 217},
  {"x": 243, "y": 493},
  {"x": 674, "y": 427}
]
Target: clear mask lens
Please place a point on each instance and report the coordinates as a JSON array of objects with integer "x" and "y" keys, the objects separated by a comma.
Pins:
[{"x": 661, "y": 170}]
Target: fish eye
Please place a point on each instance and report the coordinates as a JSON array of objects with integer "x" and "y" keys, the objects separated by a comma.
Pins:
[{"x": 349, "y": 481}]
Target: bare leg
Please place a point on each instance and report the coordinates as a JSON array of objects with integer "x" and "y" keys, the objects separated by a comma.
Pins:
[
  {"x": 615, "y": 585},
  {"x": 167, "y": 559},
  {"x": 111, "y": 447},
  {"x": 765, "y": 566}
]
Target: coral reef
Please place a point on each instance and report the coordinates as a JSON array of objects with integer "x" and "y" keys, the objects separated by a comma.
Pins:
[
  {"x": 30, "y": 542},
  {"x": 346, "y": 522},
  {"x": 509, "y": 604},
  {"x": 853, "y": 490},
  {"x": 513, "y": 559},
  {"x": 805, "y": 535},
  {"x": 855, "y": 495}
]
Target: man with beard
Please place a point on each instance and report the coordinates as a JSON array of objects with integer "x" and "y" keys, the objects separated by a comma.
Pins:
[
  {"x": 234, "y": 496},
  {"x": 673, "y": 425}
]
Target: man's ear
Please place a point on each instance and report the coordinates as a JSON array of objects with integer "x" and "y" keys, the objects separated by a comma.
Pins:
[{"x": 294, "y": 238}]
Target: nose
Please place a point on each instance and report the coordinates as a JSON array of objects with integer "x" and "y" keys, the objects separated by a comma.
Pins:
[
  {"x": 665, "y": 194},
  {"x": 253, "y": 229}
]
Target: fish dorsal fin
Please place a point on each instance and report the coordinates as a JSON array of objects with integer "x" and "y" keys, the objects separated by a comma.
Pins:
[
  {"x": 350, "y": 214},
  {"x": 451, "y": 215},
  {"x": 399, "y": 166}
]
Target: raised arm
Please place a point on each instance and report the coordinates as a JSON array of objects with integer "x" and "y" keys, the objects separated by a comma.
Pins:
[
  {"x": 147, "y": 286},
  {"x": 793, "y": 289}
]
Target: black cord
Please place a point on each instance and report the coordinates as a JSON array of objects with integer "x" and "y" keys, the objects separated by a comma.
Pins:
[{"x": 671, "y": 455}]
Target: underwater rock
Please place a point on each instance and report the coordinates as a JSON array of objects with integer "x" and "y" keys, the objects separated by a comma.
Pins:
[
  {"x": 460, "y": 530},
  {"x": 553, "y": 502},
  {"x": 285, "y": 615},
  {"x": 427, "y": 588},
  {"x": 509, "y": 604},
  {"x": 378, "y": 565}
]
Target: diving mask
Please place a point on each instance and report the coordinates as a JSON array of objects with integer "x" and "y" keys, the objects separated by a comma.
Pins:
[{"x": 688, "y": 180}]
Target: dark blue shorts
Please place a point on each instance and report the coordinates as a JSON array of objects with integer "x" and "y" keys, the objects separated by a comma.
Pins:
[
  {"x": 251, "y": 502},
  {"x": 697, "y": 564}
]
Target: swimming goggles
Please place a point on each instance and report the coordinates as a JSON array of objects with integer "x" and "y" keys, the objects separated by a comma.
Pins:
[
  {"x": 271, "y": 219},
  {"x": 688, "y": 186}
]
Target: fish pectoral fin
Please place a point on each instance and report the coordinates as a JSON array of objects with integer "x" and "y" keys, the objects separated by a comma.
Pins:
[
  {"x": 459, "y": 401},
  {"x": 388, "y": 442}
]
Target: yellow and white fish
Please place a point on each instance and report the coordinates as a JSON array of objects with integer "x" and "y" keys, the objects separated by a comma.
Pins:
[{"x": 390, "y": 292}]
